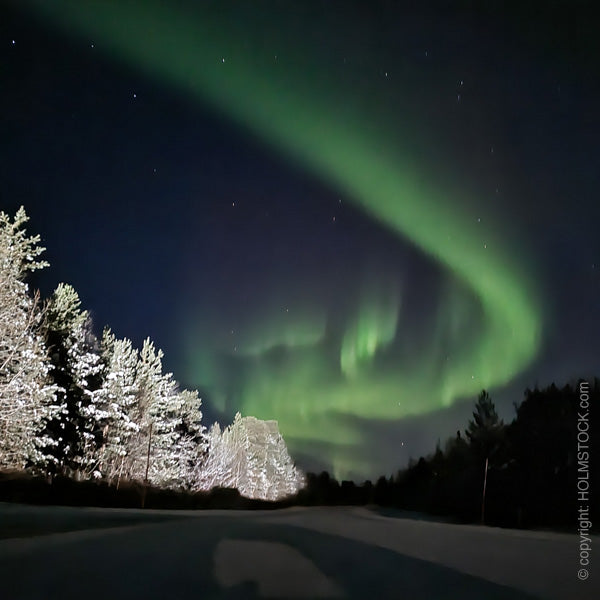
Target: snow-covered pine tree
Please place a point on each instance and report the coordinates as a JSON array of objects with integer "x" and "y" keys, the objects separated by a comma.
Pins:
[
  {"x": 286, "y": 478},
  {"x": 235, "y": 439},
  {"x": 212, "y": 470},
  {"x": 119, "y": 394},
  {"x": 250, "y": 455},
  {"x": 170, "y": 423},
  {"x": 76, "y": 432},
  {"x": 270, "y": 473},
  {"x": 27, "y": 397},
  {"x": 150, "y": 386},
  {"x": 256, "y": 480},
  {"x": 153, "y": 429}
]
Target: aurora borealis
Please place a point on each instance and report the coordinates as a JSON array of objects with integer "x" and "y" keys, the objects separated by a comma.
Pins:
[{"x": 431, "y": 292}]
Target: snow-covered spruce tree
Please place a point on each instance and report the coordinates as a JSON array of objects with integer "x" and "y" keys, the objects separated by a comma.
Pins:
[
  {"x": 76, "y": 432},
  {"x": 193, "y": 439},
  {"x": 119, "y": 394},
  {"x": 89, "y": 377},
  {"x": 250, "y": 455},
  {"x": 27, "y": 397}
]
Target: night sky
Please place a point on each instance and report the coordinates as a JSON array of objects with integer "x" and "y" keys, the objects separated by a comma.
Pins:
[{"x": 349, "y": 217}]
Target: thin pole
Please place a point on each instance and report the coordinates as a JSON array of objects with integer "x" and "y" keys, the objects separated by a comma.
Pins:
[
  {"x": 147, "y": 467},
  {"x": 148, "y": 457},
  {"x": 483, "y": 496},
  {"x": 120, "y": 471}
]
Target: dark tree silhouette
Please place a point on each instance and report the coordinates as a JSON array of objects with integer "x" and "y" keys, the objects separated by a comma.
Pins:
[{"x": 484, "y": 431}]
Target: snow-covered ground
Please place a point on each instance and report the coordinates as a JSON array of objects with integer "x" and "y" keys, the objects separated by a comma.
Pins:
[{"x": 292, "y": 553}]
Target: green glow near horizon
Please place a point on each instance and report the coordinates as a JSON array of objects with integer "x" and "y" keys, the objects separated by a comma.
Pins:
[{"x": 206, "y": 56}]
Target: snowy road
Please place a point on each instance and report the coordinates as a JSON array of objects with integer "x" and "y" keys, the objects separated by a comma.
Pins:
[{"x": 293, "y": 553}]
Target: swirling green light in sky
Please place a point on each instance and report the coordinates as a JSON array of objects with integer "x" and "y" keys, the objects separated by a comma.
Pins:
[{"x": 366, "y": 154}]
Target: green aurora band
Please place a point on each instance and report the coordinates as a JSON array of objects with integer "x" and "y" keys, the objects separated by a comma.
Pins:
[{"x": 366, "y": 154}]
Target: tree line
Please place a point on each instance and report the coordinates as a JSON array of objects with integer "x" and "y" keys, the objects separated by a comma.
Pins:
[
  {"x": 529, "y": 468},
  {"x": 72, "y": 405}
]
